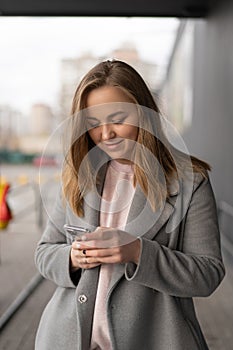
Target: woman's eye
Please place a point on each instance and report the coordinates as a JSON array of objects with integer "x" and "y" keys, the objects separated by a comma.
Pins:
[
  {"x": 93, "y": 125},
  {"x": 119, "y": 121}
]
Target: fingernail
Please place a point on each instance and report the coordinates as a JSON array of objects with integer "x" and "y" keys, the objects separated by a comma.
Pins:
[{"x": 78, "y": 245}]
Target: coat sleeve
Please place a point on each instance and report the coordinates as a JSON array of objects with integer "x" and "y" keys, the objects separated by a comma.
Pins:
[
  {"x": 52, "y": 256},
  {"x": 197, "y": 270}
]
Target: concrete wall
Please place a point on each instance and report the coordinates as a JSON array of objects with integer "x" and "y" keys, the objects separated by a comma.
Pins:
[{"x": 211, "y": 134}]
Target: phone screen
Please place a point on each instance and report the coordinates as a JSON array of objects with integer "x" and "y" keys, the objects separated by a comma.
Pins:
[{"x": 75, "y": 232}]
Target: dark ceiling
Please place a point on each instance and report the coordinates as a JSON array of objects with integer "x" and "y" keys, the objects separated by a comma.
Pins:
[{"x": 160, "y": 8}]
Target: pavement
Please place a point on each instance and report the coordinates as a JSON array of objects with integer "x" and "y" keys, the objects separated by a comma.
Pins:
[
  {"x": 17, "y": 269},
  {"x": 17, "y": 247}
]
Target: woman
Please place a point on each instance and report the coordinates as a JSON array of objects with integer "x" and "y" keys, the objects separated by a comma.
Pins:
[{"x": 154, "y": 240}]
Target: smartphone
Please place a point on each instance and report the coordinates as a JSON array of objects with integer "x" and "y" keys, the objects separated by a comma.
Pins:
[{"x": 75, "y": 232}]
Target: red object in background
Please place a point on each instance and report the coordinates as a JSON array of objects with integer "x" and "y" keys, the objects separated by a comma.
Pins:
[
  {"x": 44, "y": 161},
  {"x": 5, "y": 212}
]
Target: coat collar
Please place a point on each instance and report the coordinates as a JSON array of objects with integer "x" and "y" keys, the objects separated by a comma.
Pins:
[{"x": 141, "y": 217}]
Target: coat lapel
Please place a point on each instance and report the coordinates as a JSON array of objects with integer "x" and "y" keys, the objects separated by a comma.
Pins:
[
  {"x": 91, "y": 207},
  {"x": 142, "y": 221}
]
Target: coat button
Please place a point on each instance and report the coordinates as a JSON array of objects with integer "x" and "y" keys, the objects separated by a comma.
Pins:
[{"x": 82, "y": 298}]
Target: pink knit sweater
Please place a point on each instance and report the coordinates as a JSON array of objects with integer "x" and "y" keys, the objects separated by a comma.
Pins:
[{"x": 116, "y": 200}]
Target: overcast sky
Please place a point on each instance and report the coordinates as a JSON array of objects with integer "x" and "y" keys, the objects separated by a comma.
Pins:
[{"x": 31, "y": 49}]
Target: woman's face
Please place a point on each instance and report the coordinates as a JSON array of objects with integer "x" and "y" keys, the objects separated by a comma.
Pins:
[{"x": 112, "y": 122}]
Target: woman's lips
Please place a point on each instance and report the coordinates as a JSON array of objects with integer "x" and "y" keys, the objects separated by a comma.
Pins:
[{"x": 112, "y": 144}]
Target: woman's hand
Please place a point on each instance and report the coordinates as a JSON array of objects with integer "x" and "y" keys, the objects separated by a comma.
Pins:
[
  {"x": 105, "y": 246},
  {"x": 78, "y": 258}
]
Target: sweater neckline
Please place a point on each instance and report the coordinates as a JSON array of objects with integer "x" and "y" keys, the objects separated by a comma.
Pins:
[{"x": 125, "y": 168}]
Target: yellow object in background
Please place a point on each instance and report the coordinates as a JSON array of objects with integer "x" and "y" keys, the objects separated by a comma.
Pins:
[{"x": 23, "y": 179}]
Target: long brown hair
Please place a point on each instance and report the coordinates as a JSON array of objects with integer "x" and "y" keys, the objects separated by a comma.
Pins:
[{"x": 78, "y": 175}]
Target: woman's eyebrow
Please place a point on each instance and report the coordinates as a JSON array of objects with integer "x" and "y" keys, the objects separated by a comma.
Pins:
[
  {"x": 92, "y": 118},
  {"x": 110, "y": 116}
]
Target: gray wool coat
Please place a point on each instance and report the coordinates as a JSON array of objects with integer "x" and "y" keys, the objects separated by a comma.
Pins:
[{"x": 149, "y": 305}]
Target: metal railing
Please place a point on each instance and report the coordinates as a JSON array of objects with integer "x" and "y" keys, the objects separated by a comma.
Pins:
[
  {"x": 35, "y": 204},
  {"x": 20, "y": 299}
]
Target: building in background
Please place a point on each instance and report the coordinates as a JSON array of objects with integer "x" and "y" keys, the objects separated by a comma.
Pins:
[
  {"x": 13, "y": 124},
  {"x": 41, "y": 125},
  {"x": 41, "y": 120}
]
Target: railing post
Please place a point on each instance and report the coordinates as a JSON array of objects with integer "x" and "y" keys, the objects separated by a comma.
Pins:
[{"x": 38, "y": 206}]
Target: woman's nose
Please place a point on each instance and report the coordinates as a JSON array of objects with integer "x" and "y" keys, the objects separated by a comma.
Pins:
[{"x": 107, "y": 132}]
